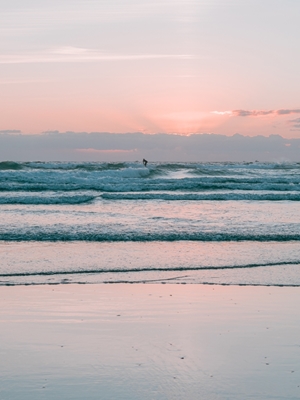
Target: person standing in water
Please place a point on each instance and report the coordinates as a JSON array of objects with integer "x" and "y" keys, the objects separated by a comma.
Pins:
[{"x": 145, "y": 162}]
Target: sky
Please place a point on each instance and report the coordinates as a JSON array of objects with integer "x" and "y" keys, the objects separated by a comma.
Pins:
[{"x": 168, "y": 66}]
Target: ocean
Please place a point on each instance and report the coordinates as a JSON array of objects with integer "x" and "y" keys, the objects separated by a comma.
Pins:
[{"x": 209, "y": 223}]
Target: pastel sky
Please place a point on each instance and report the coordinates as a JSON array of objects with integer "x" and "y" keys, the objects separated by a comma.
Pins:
[{"x": 168, "y": 66}]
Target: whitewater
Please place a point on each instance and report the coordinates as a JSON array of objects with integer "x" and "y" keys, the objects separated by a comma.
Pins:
[{"x": 213, "y": 223}]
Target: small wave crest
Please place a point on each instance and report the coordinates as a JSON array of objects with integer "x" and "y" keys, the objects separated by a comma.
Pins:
[
  {"x": 137, "y": 180},
  {"x": 51, "y": 200},
  {"x": 10, "y": 165},
  {"x": 90, "y": 235},
  {"x": 230, "y": 196}
]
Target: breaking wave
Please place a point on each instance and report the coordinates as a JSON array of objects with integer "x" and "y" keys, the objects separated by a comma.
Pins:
[
  {"x": 75, "y": 234},
  {"x": 10, "y": 165},
  {"x": 47, "y": 200},
  {"x": 229, "y": 196}
]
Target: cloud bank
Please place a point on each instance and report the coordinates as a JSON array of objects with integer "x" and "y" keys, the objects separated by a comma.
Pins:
[
  {"x": 10, "y": 131},
  {"x": 257, "y": 113},
  {"x": 295, "y": 124},
  {"x": 97, "y": 146}
]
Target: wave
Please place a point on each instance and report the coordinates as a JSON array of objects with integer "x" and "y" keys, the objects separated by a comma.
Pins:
[
  {"x": 10, "y": 165},
  {"x": 195, "y": 180},
  {"x": 142, "y": 184},
  {"x": 65, "y": 166},
  {"x": 56, "y": 235},
  {"x": 82, "y": 199},
  {"x": 219, "y": 168},
  {"x": 36, "y": 200},
  {"x": 229, "y": 196}
]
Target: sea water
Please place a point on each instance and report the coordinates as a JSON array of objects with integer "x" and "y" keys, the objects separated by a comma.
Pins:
[{"x": 213, "y": 223}]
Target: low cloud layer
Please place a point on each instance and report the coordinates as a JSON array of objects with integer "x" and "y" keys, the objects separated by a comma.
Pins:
[
  {"x": 258, "y": 113},
  {"x": 10, "y": 131},
  {"x": 295, "y": 123},
  {"x": 71, "y": 146}
]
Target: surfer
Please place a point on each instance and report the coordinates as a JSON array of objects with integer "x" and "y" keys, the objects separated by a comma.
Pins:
[{"x": 145, "y": 162}]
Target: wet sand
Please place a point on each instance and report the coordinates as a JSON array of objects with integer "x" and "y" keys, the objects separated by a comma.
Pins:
[{"x": 149, "y": 342}]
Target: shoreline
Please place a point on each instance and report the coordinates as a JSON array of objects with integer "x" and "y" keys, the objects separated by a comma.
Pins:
[
  {"x": 237, "y": 263},
  {"x": 152, "y": 282},
  {"x": 150, "y": 341}
]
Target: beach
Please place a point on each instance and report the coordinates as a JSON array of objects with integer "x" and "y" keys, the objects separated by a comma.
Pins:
[
  {"x": 149, "y": 341},
  {"x": 171, "y": 281},
  {"x": 149, "y": 200}
]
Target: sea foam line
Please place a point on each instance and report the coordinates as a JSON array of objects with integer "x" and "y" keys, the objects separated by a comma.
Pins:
[{"x": 150, "y": 269}]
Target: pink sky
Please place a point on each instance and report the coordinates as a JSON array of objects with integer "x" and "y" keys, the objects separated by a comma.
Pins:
[{"x": 175, "y": 66}]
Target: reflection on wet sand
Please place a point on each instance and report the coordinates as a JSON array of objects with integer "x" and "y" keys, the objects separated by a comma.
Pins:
[{"x": 149, "y": 342}]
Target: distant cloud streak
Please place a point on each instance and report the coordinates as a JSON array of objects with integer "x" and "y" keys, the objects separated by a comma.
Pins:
[
  {"x": 10, "y": 131},
  {"x": 91, "y": 150},
  {"x": 222, "y": 112},
  {"x": 252, "y": 113},
  {"x": 75, "y": 54},
  {"x": 257, "y": 113},
  {"x": 295, "y": 124}
]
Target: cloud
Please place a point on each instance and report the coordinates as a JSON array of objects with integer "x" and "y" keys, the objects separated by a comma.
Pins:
[
  {"x": 10, "y": 131},
  {"x": 77, "y": 54},
  {"x": 91, "y": 151},
  {"x": 252, "y": 113},
  {"x": 296, "y": 127},
  {"x": 222, "y": 112},
  {"x": 284, "y": 112},
  {"x": 257, "y": 113},
  {"x": 295, "y": 124},
  {"x": 97, "y": 146}
]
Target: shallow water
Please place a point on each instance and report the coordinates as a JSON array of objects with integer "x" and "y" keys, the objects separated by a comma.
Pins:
[
  {"x": 246, "y": 263},
  {"x": 216, "y": 223}
]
